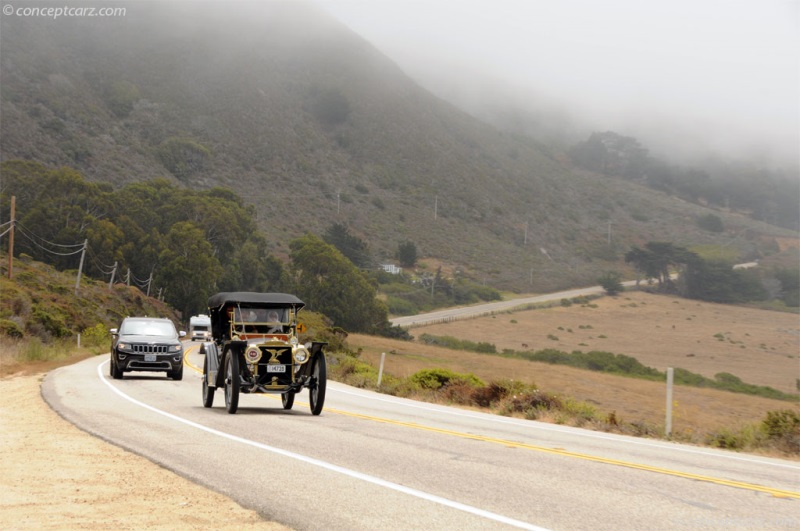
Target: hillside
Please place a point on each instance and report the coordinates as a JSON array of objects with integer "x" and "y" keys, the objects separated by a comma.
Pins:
[
  {"x": 39, "y": 301},
  {"x": 310, "y": 123}
]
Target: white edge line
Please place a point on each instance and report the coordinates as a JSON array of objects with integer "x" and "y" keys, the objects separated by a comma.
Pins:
[{"x": 322, "y": 464}]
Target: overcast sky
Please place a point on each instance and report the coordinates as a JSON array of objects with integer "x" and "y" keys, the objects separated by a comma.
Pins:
[{"x": 723, "y": 73}]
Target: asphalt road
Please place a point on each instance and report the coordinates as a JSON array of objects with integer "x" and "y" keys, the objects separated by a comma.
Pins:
[
  {"x": 372, "y": 461},
  {"x": 489, "y": 308}
]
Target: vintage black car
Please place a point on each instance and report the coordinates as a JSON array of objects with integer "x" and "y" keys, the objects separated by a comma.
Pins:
[{"x": 256, "y": 349}]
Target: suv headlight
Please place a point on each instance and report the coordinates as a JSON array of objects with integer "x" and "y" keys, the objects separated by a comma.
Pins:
[{"x": 175, "y": 348}]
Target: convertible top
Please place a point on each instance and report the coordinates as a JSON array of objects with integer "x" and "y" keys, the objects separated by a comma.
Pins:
[{"x": 249, "y": 297}]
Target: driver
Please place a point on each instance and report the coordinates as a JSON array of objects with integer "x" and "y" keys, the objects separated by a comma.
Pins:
[{"x": 274, "y": 320}]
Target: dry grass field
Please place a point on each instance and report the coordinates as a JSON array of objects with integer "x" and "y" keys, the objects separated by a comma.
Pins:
[{"x": 759, "y": 346}]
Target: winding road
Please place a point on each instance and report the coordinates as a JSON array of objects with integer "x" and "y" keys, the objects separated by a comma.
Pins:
[{"x": 373, "y": 461}]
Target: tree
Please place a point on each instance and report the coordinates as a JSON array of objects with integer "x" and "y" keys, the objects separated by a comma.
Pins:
[
  {"x": 656, "y": 259},
  {"x": 252, "y": 269},
  {"x": 353, "y": 247},
  {"x": 330, "y": 284},
  {"x": 790, "y": 286},
  {"x": 718, "y": 281},
  {"x": 611, "y": 282},
  {"x": 407, "y": 254},
  {"x": 187, "y": 268},
  {"x": 711, "y": 223},
  {"x": 610, "y": 153}
]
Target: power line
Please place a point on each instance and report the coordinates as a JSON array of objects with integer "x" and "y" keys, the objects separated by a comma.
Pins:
[
  {"x": 22, "y": 227},
  {"x": 31, "y": 236}
]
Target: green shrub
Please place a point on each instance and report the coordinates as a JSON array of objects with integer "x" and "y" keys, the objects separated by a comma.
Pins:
[
  {"x": 611, "y": 282},
  {"x": 458, "y": 344},
  {"x": 331, "y": 107},
  {"x": 10, "y": 328},
  {"x": 121, "y": 97},
  {"x": 97, "y": 336},
  {"x": 50, "y": 320},
  {"x": 399, "y": 306},
  {"x": 499, "y": 390},
  {"x": 434, "y": 379},
  {"x": 736, "y": 439},
  {"x": 535, "y": 400},
  {"x": 711, "y": 223},
  {"x": 781, "y": 423},
  {"x": 183, "y": 156}
]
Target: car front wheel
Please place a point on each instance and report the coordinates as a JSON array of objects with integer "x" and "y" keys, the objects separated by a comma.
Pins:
[
  {"x": 319, "y": 373},
  {"x": 176, "y": 375},
  {"x": 208, "y": 392},
  {"x": 287, "y": 399},
  {"x": 114, "y": 369},
  {"x": 232, "y": 382}
]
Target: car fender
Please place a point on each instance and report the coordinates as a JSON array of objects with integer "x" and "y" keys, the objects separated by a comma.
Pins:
[{"x": 212, "y": 361}]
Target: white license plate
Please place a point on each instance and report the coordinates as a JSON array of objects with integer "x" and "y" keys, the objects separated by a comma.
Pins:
[
  {"x": 276, "y": 368},
  {"x": 149, "y": 357}
]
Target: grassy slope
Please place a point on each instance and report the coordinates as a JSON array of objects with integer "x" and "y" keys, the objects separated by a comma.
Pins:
[
  {"x": 42, "y": 301},
  {"x": 759, "y": 346}
]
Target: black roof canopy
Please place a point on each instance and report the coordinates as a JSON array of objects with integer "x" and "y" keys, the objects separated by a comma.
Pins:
[{"x": 249, "y": 297}]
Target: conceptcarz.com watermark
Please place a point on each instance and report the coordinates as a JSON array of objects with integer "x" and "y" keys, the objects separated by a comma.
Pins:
[{"x": 65, "y": 11}]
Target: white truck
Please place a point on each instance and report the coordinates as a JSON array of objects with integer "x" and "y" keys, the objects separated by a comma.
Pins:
[{"x": 200, "y": 327}]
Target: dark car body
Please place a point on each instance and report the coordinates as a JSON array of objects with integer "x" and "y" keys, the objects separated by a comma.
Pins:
[
  {"x": 146, "y": 344},
  {"x": 256, "y": 349}
]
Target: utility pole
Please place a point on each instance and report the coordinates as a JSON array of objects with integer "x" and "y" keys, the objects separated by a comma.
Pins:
[
  {"x": 436, "y": 208},
  {"x": 113, "y": 273},
  {"x": 128, "y": 278},
  {"x": 80, "y": 267},
  {"x": 11, "y": 236},
  {"x": 525, "y": 240},
  {"x": 149, "y": 282}
]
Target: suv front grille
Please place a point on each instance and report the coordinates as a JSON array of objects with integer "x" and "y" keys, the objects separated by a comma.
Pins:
[{"x": 150, "y": 349}]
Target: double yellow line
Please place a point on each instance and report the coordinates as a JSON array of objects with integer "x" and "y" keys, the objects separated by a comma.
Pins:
[{"x": 778, "y": 493}]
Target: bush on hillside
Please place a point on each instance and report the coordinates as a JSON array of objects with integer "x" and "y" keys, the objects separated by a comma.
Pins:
[{"x": 434, "y": 379}]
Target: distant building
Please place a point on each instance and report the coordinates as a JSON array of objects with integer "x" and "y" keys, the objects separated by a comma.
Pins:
[{"x": 391, "y": 268}]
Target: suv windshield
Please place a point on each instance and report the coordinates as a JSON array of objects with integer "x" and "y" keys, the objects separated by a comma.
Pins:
[{"x": 148, "y": 328}]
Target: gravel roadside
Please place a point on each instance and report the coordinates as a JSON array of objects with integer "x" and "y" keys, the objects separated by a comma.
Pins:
[{"x": 53, "y": 475}]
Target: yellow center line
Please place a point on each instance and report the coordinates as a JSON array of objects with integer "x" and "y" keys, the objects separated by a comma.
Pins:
[{"x": 778, "y": 493}]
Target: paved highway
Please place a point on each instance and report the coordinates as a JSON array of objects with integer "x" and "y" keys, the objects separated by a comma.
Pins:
[{"x": 373, "y": 461}]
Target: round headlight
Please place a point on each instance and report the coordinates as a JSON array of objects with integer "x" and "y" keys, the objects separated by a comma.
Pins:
[
  {"x": 300, "y": 354},
  {"x": 252, "y": 355}
]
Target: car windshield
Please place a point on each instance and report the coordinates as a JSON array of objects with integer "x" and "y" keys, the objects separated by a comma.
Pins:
[
  {"x": 260, "y": 315},
  {"x": 148, "y": 328}
]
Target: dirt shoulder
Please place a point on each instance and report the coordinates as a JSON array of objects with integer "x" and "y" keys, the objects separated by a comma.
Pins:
[{"x": 57, "y": 476}]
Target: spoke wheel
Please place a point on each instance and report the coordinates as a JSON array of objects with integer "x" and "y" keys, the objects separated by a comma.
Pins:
[
  {"x": 287, "y": 399},
  {"x": 232, "y": 382},
  {"x": 208, "y": 392},
  {"x": 319, "y": 374}
]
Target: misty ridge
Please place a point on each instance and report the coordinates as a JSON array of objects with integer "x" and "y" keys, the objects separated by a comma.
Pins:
[{"x": 310, "y": 123}]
